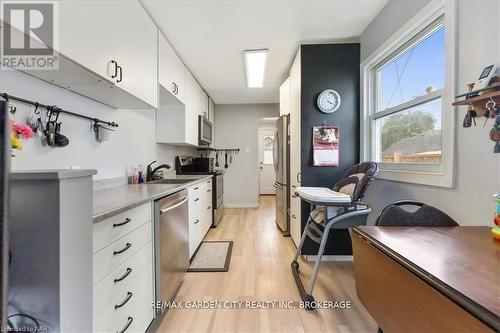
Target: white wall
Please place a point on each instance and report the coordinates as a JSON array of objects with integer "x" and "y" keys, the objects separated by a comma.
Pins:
[
  {"x": 132, "y": 144},
  {"x": 237, "y": 126},
  {"x": 477, "y": 169}
]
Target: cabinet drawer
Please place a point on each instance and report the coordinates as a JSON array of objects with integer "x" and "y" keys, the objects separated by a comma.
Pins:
[
  {"x": 121, "y": 277},
  {"x": 109, "y": 230},
  {"x": 136, "y": 299},
  {"x": 109, "y": 258}
]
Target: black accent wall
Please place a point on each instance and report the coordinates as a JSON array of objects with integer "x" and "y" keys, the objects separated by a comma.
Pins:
[{"x": 329, "y": 66}]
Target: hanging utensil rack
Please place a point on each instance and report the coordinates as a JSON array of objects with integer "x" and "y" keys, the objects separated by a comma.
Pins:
[
  {"x": 227, "y": 150},
  {"x": 55, "y": 109}
]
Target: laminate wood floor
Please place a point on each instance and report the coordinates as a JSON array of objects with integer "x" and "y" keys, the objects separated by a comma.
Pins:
[{"x": 260, "y": 271}]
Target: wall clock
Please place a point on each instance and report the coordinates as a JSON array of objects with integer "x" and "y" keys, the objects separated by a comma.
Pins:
[{"x": 328, "y": 101}]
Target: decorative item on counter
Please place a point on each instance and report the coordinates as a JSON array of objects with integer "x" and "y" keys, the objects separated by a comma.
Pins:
[
  {"x": 140, "y": 179},
  {"x": 19, "y": 131},
  {"x": 326, "y": 148},
  {"x": 496, "y": 219},
  {"x": 130, "y": 175}
]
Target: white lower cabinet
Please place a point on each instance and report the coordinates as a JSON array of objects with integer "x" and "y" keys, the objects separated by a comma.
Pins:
[
  {"x": 123, "y": 272},
  {"x": 200, "y": 213}
]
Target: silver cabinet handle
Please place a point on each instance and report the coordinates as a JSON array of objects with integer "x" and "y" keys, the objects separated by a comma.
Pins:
[
  {"x": 294, "y": 217},
  {"x": 173, "y": 87},
  {"x": 195, "y": 188},
  {"x": 162, "y": 211},
  {"x": 129, "y": 321},
  {"x": 276, "y": 185},
  {"x": 209, "y": 190},
  {"x": 196, "y": 199},
  {"x": 209, "y": 207},
  {"x": 196, "y": 222}
]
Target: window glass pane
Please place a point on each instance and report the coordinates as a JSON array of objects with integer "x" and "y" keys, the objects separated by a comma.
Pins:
[
  {"x": 410, "y": 136},
  {"x": 416, "y": 72},
  {"x": 268, "y": 149}
]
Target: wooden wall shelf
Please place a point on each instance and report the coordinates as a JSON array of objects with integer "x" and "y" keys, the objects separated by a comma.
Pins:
[{"x": 479, "y": 102}]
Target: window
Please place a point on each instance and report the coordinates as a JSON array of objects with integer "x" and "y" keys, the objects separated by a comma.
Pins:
[
  {"x": 268, "y": 149},
  {"x": 408, "y": 89},
  {"x": 408, "y": 122}
]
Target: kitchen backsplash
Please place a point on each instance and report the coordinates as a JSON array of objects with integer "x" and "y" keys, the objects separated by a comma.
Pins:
[{"x": 133, "y": 143}]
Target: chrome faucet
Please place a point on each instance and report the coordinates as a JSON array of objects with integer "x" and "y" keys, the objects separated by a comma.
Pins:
[{"x": 150, "y": 171}]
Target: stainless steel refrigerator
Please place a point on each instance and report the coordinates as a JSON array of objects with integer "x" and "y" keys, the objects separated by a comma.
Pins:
[{"x": 281, "y": 157}]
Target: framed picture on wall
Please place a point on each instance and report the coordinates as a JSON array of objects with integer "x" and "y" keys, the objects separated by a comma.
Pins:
[{"x": 326, "y": 146}]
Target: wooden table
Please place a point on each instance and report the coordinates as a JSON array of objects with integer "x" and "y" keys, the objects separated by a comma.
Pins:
[{"x": 429, "y": 279}]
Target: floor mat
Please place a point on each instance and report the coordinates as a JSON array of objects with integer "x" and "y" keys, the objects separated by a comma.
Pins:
[{"x": 212, "y": 256}]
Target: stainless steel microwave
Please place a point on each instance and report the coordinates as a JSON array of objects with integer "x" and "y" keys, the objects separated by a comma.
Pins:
[{"x": 205, "y": 131}]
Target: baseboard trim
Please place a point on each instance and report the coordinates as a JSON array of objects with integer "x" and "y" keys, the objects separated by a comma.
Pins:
[
  {"x": 330, "y": 258},
  {"x": 242, "y": 205}
]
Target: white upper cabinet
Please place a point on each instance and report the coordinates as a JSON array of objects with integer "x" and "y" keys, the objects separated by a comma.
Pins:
[
  {"x": 193, "y": 107},
  {"x": 171, "y": 70},
  {"x": 118, "y": 42},
  {"x": 204, "y": 103},
  {"x": 86, "y": 34},
  {"x": 211, "y": 110},
  {"x": 137, "y": 52},
  {"x": 285, "y": 97}
]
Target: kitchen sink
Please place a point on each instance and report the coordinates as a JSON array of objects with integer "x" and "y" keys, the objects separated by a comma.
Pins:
[{"x": 170, "y": 181}]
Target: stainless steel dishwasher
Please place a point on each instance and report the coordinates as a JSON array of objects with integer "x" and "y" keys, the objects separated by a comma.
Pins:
[{"x": 171, "y": 244}]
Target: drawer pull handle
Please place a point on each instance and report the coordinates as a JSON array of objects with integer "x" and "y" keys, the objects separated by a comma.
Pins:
[
  {"x": 195, "y": 222},
  {"x": 129, "y": 270},
  {"x": 129, "y": 321},
  {"x": 209, "y": 207},
  {"x": 127, "y": 246},
  {"x": 127, "y": 220},
  {"x": 125, "y": 301},
  {"x": 196, "y": 199},
  {"x": 209, "y": 190},
  {"x": 195, "y": 188}
]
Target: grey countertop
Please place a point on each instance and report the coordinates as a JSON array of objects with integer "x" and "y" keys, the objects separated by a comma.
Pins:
[
  {"x": 51, "y": 174},
  {"x": 114, "y": 200}
]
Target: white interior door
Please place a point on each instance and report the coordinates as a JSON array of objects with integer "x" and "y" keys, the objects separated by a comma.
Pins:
[{"x": 266, "y": 163}]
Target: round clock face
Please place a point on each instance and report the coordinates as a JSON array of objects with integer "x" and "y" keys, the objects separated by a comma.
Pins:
[{"x": 328, "y": 101}]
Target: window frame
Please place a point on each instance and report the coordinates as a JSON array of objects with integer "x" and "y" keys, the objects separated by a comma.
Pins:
[{"x": 428, "y": 20}]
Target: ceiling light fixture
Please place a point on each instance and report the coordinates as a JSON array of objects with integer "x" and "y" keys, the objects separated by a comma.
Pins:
[{"x": 255, "y": 64}]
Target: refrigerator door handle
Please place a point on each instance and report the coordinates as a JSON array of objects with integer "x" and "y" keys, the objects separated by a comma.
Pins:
[
  {"x": 276, "y": 150},
  {"x": 278, "y": 186}
]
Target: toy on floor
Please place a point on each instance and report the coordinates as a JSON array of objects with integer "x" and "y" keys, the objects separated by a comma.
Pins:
[{"x": 496, "y": 229}]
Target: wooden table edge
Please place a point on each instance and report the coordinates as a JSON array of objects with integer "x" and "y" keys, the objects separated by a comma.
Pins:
[{"x": 477, "y": 310}]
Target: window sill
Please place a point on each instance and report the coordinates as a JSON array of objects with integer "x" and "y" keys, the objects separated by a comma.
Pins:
[{"x": 418, "y": 177}]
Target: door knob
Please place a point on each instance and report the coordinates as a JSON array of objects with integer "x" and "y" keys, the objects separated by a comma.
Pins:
[{"x": 261, "y": 168}]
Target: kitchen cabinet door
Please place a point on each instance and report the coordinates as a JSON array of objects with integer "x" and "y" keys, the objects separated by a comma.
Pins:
[
  {"x": 87, "y": 34},
  {"x": 204, "y": 103},
  {"x": 193, "y": 107},
  {"x": 136, "y": 51},
  {"x": 285, "y": 97},
  {"x": 171, "y": 73},
  {"x": 295, "y": 144},
  {"x": 211, "y": 110}
]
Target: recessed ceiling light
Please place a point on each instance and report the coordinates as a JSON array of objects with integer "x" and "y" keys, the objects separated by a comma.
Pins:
[{"x": 255, "y": 64}]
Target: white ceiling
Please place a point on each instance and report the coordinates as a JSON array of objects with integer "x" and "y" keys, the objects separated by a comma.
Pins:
[{"x": 210, "y": 37}]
